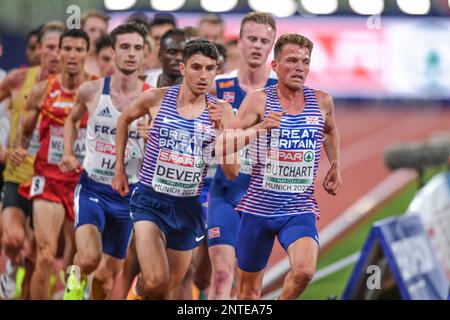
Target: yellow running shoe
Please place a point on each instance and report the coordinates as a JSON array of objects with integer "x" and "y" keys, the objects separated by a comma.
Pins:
[
  {"x": 19, "y": 280},
  {"x": 75, "y": 286}
]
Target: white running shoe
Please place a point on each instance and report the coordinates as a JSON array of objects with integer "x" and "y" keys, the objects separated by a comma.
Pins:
[{"x": 8, "y": 282}]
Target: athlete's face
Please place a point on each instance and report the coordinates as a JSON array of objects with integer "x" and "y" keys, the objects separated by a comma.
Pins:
[
  {"x": 199, "y": 72},
  {"x": 32, "y": 53},
  {"x": 256, "y": 42},
  {"x": 105, "y": 61},
  {"x": 171, "y": 55},
  {"x": 73, "y": 55},
  {"x": 49, "y": 52},
  {"x": 156, "y": 32},
  {"x": 211, "y": 31},
  {"x": 292, "y": 66},
  {"x": 95, "y": 28},
  {"x": 129, "y": 52}
]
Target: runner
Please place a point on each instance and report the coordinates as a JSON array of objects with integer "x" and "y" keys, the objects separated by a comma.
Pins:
[
  {"x": 16, "y": 208},
  {"x": 103, "y": 223},
  {"x": 105, "y": 56},
  {"x": 257, "y": 37},
  {"x": 296, "y": 122},
  {"x": 51, "y": 190},
  {"x": 165, "y": 208}
]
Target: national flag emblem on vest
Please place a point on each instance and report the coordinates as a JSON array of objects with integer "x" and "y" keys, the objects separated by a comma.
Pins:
[
  {"x": 312, "y": 120},
  {"x": 214, "y": 233},
  {"x": 228, "y": 96}
]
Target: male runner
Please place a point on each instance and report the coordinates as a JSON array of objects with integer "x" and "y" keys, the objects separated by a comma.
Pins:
[
  {"x": 16, "y": 208},
  {"x": 103, "y": 224},
  {"x": 167, "y": 214},
  {"x": 95, "y": 23},
  {"x": 170, "y": 56},
  {"x": 293, "y": 122},
  {"x": 161, "y": 23},
  {"x": 105, "y": 56},
  {"x": 257, "y": 37},
  {"x": 51, "y": 190},
  {"x": 32, "y": 53}
]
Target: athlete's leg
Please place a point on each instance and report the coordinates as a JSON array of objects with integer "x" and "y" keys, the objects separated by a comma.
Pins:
[
  {"x": 153, "y": 281},
  {"x": 222, "y": 271},
  {"x": 29, "y": 261},
  {"x": 184, "y": 290},
  {"x": 249, "y": 285},
  {"x": 202, "y": 267},
  {"x": 130, "y": 268},
  {"x": 299, "y": 238},
  {"x": 303, "y": 259},
  {"x": 179, "y": 263},
  {"x": 103, "y": 281},
  {"x": 89, "y": 248},
  {"x": 14, "y": 233},
  {"x": 69, "y": 243},
  {"x": 48, "y": 219},
  {"x": 223, "y": 223}
]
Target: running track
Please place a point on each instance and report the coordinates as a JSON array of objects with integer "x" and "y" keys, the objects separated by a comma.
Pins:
[{"x": 364, "y": 132}]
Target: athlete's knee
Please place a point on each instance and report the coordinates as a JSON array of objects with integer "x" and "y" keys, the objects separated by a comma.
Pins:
[
  {"x": 156, "y": 284},
  {"x": 13, "y": 240},
  {"x": 302, "y": 273},
  {"x": 88, "y": 261},
  {"x": 248, "y": 292},
  {"x": 45, "y": 258},
  {"x": 222, "y": 276}
]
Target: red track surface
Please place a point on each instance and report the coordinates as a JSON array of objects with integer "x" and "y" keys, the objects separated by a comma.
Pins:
[{"x": 365, "y": 133}]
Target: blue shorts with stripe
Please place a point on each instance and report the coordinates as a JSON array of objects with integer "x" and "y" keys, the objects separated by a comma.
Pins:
[
  {"x": 180, "y": 219},
  {"x": 256, "y": 235},
  {"x": 98, "y": 204}
]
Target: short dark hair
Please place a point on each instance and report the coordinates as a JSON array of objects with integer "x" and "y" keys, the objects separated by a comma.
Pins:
[
  {"x": 292, "y": 38},
  {"x": 34, "y": 33},
  {"x": 203, "y": 46},
  {"x": 173, "y": 33},
  {"x": 212, "y": 18},
  {"x": 140, "y": 18},
  {"x": 131, "y": 27},
  {"x": 162, "y": 18},
  {"x": 75, "y": 33},
  {"x": 103, "y": 42},
  {"x": 222, "y": 50}
]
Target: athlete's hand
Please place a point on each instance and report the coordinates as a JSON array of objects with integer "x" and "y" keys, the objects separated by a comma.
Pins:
[
  {"x": 215, "y": 113},
  {"x": 333, "y": 180},
  {"x": 272, "y": 121},
  {"x": 120, "y": 183},
  {"x": 69, "y": 163},
  {"x": 17, "y": 156}
]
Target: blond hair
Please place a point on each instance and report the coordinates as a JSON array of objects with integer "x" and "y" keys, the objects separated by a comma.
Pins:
[
  {"x": 260, "y": 18},
  {"x": 93, "y": 14},
  {"x": 292, "y": 38}
]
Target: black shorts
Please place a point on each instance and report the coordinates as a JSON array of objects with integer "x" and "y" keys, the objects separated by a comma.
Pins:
[{"x": 12, "y": 198}]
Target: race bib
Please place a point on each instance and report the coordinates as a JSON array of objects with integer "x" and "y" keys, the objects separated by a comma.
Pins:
[
  {"x": 178, "y": 174},
  {"x": 104, "y": 162},
  {"x": 37, "y": 186},
  {"x": 34, "y": 145},
  {"x": 212, "y": 168},
  {"x": 56, "y": 147},
  {"x": 289, "y": 171},
  {"x": 245, "y": 161}
]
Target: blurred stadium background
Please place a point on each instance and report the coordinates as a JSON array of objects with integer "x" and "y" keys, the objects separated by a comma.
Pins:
[{"x": 386, "y": 62}]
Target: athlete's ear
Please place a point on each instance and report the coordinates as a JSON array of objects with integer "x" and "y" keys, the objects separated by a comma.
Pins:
[
  {"x": 274, "y": 64},
  {"x": 182, "y": 68}
]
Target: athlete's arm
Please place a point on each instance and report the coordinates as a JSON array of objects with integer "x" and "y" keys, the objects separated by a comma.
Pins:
[
  {"x": 247, "y": 124},
  {"x": 69, "y": 162},
  {"x": 13, "y": 79},
  {"x": 224, "y": 116},
  {"x": 28, "y": 122},
  {"x": 331, "y": 143},
  {"x": 143, "y": 105}
]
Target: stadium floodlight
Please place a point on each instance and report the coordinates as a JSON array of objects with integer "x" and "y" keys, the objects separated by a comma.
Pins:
[
  {"x": 367, "y": 7},
  {"x": 167, "y": 5},
  {"x": 320, "y": 7},
  {"x": 279, "y": 8},
  {"x": 414, "y": 6},
  {"x": 119, "y": 4},
  {"x": 218, "y": 6}
]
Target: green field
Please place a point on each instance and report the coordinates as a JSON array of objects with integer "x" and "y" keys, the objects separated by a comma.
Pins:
[{"x": 334, "y": 284}]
